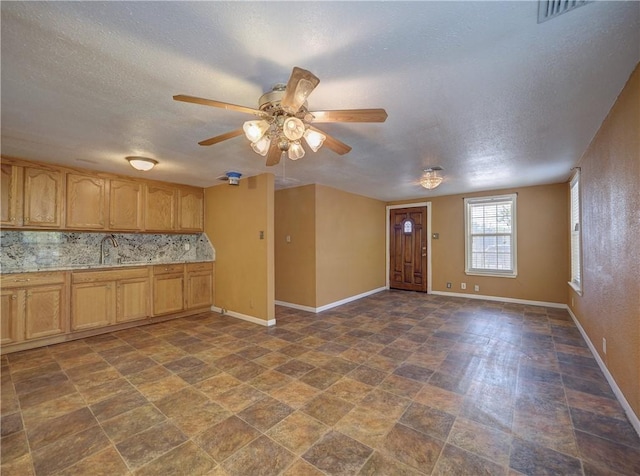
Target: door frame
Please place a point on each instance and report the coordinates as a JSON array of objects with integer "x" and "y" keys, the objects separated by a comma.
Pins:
[{"x": 386, "y": 240}]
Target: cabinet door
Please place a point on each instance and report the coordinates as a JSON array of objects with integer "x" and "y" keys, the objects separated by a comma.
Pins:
[
  {"x": 125, "y": 205},
  {"x": 92, "y": 305},
  {"x": 168, "y": 293},
  {"x": 11, "y": 200},
  {"x": 86, "y": 202},
  {"x": 191, "y": 206},
  {"x": 45, "y": 310},
  {"x": 132, "y": 299},
  {"x": 10, "y": 318},
  {"x": 199, "y": 290},
  {"x": 160, "y": 205},
  {"x": 43, "y": 195}
]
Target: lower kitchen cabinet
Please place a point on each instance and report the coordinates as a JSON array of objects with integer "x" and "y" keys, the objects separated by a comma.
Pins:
[
  {"x": 199, "y": 285},
  {"x": 103, "y": 298},
  {"x": 168, "y": 289},
  {"x": 92, "y": 305},
  {"x": 12, "y": 301},
  {"x": 132, "y": 299},
  {"x": 42, "y": 308},
  {"x": 34, "y": 305}
]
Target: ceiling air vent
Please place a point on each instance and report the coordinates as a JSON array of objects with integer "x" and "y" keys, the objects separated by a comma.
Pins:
[{"x": 548, "y": 9}]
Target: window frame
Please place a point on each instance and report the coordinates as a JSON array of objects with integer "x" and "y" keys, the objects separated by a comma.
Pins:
[
  {"x": 575, "y": 262},
  {"x": 469, "y": 204}
]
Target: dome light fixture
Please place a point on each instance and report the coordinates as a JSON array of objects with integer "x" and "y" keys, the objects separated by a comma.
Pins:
[
  {"x": 430, "y": 178},
  {"x": 141, "y": 163}
]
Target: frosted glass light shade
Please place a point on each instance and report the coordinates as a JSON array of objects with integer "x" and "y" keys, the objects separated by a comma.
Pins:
[
  {"x": 314, "y": 139},
  {"x": 261, "y": 146},
  {"x": 293, "y": 128},
  {"x": 141, "y": 163},
  {"x": 296, "y": 151},
  {"x": 254, "y": 130}
]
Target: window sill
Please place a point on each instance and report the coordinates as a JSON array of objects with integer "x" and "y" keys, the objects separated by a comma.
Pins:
[
  {"x": 575, "y": 287},
  {"x": 489, "y": 274}
]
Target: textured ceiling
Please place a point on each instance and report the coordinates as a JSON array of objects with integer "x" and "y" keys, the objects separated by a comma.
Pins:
[{"x": 478, "y": 88}]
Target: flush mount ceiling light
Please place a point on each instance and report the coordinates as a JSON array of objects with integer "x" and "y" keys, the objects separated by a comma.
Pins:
[
  {"x": 141, "y": 163},
  {"x": 284, "y": 120},
  {"x": 430, "y": 178}
]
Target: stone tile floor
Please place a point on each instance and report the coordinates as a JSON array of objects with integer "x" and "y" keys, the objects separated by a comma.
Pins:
[{"x": 398, "y": 383}]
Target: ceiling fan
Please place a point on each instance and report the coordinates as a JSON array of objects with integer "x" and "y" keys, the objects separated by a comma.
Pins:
[{"x": 283, "y": 120}]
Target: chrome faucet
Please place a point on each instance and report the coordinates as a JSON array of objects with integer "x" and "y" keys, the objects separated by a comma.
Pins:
[{"x": 113, "y": 241}]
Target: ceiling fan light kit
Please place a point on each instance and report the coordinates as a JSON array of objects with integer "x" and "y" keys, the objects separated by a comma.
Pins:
[
  {"x": 141, "y": 163},
  {"x": 314, "y": 139},
  {"x": 430, "y": 178},
  {"x": 296, "y": 151},
  {"x": 283, "y": 120}
]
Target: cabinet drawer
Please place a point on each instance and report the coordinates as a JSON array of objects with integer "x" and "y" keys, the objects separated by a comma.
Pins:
[
  {"x": 109, "y": 275},
  {"x": 21, "y": 280},
  {"x": 168, "y": 268},
  {"x": 204, "y": 266}
]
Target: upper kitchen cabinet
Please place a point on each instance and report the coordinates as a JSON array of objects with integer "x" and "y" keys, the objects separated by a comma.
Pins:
[
  {"x": 11, "y": 200},
  {"x": 125, "y": 205},
  {"x": 160, "y": 204},
  {"x": 43, "y": 197},
  {"x": 86, "y": 202},
  {"x": 191, "y": 209}
]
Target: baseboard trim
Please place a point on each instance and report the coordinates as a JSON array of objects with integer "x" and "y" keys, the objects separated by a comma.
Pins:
[
  {"x": 244, "y": 317},
  {"x": 557, "y": 305},
  {"x": 326, "y": 307},
  {"x": 633, "y": 418}
]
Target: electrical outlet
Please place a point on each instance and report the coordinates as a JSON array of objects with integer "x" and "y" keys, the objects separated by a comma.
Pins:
[
  {"x": 476, "y": 288},
  {"x": 187, "y": 246},
  {"x": 463, "y": 285},
  {"x": 604, "y": 345},
  {"x": 448, "y": 285}
]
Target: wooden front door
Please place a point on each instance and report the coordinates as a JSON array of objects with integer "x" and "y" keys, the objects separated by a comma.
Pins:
[{"x": 408, "y": 249}]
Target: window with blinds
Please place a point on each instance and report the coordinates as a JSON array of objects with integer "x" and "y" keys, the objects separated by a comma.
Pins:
[
  {"x": 575, "y": 231},
  {"x": 490, "y": 230}
]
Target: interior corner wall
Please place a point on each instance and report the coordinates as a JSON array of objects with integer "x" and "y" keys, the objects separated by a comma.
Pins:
[
  {"x": 235, "y": 217},
  {"x": 350, "y": 245},
  {"x": 295, "y": 271},
  {"x": 610, "y": 198}
]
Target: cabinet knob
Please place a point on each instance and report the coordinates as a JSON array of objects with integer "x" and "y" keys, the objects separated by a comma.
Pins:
[{"x": 14, "y": 297}]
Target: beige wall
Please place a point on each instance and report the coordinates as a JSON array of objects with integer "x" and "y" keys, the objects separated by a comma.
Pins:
[
  {"x": 295, "y": 216},
  {"x": 234, "y": 218},
  {"x": 542, "y": 236},
  {"x": 350, "y": 245},
  {"x": 337, "y": 247},
  {"x": 610, "y": 193}
]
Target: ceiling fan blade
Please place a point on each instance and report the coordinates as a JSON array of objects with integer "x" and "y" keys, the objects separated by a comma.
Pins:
[
  {"x": 273, "y": 157},
  {"x": 222, "y": 105},
  {"x": 301, "y": 84},
  {"x": 221, "y": 137},
  {"x": 350, "y": 115},
  {"x": 332, "y": 143}
]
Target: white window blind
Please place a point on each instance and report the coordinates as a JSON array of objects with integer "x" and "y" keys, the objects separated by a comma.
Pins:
[
  {"x": 576, "y": 232},
  {"x": 490, "y": 229}
]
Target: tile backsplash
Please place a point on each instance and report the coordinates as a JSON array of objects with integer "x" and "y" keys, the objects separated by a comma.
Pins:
[{"x": 41, "y": 250}]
